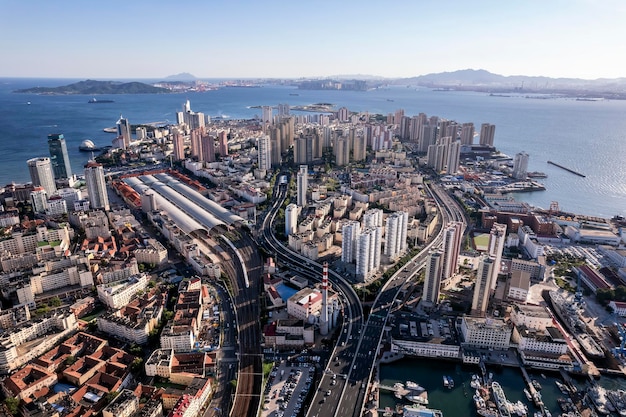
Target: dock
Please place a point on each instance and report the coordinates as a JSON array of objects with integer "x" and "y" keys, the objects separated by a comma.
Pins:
[{"x": 567, "y": 169}]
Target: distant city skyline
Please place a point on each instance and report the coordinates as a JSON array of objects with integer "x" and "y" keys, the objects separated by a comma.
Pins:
[{"x": 278, "y": 39}]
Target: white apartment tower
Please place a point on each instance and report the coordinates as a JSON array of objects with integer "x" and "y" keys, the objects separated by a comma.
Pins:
[
  {"x": 303, "y": 184},
  {"x": 349, "y": 233},
  {"x": 368, "y": 252},
  {"x": 467, "y": 134},
  {"x": 395, "y": 234},
  {"x": 520, "y": 166},
  {"x": 432, "y": 280},
  {"x": 96, "y": 186},
  {"x": 482, "y": 287},
  {"x": 41, "y": 174},
  {"x": 324, "y": 316},
  {"x": 497, "y": 239},
  {"x": 373, "y": 218},
  {"x": 291, "y": 218},
  {"x": 452, "y": 239},
  {"x": 264, "y": 153}
]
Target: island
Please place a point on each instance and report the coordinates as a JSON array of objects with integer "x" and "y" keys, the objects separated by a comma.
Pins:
[{"x": 97, "y": 87}]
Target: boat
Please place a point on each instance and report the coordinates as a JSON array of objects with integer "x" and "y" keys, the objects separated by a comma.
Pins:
[
  {"x": 501, "y": 401},
  {"x": 110, "y": 129},
  {"x": 536, "y": 384},
  {"x": 518, "y": 408},
  {"x": 618, "y": 399},
  {"x": 417, "y": 399},
  {"x": 96, "y": 101},
  {"x": 599, "y": 398},
  {"x": 416, "y": 410},
  {"x": 562, "y": 387},
  {"x": 294, "y": 94},
  {"x": 450, "y": 382},
  {"x": 527, "y": 394},
  {"x": 445, "y": 381},
  {"x": 413, "y": 386},
  {"x": 475, "y": 381},
  {"x": 28, "y": 103},
  {"x": 543, "y": 376}
]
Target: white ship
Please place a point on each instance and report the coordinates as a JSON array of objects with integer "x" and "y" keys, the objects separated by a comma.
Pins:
[
  {"x": 501, "y": 401},
  {"x": 420, "y": 411}
]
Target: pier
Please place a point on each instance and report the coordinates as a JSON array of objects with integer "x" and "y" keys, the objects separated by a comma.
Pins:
[
  {"x": 398, "y": 390},
  {"x": 567, "y": 169}
]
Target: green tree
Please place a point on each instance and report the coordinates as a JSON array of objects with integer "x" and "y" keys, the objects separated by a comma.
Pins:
[
  {"x": 136, "y": 350},
  {"x": 55, "y": 302},
  {"x": 137, "y": 365},
  {"x": 70, "y": 360},
  {"x": 12, "y": 404}
]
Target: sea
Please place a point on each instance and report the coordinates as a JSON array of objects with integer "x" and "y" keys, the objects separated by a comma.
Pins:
[
  {"x": 588, "y": 136},
  {"x": 458, "y": 400}
]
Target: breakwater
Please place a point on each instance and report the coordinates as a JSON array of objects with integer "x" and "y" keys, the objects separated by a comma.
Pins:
[{"x": 567, "y": 169}]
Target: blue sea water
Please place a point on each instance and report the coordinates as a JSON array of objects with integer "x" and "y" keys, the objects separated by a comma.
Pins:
[{"x": 587, "y": 136}]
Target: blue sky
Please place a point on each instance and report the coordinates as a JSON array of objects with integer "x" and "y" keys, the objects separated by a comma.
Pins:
[{"x": 215, "y": 38}]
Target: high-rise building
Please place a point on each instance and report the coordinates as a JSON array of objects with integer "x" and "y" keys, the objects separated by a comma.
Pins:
[
  {"x": 482, "y": 287},
  {"x": 497, "y": 239},
  {"x": 349, "y": 233},
  {"x": 303, "y": 185},
  {"x": 267, "y": 115},
  {"x": 341, "y": 149},
  {"x": 208, "y": 148},
  {"x": 96, "y": 186},
  {"x": 452, "y": 239},
  {"x": 40, "y": 170},
  {"x": 39, "y": 199},
  {"x": 343, "y": 114},
  {"x": 368, "y": 252},
  {"x": 520, "y": 166},
  {"x": 123, "y": 131},
  {"x": 291, "y": 218},
  {"x": 196, "y": 147},
  {"x": 467, "y": 134},
  {"x": 395, "y": 234},
  {"x": 359, "y": 150},
  {"x": 373, "y": 218},
  {"x": 223, "y": 143},
  {"x": 179, "y": 145},
  {"x": 264, "y": 153},
  {"x": 59, "y": 158},
  {"x": 432, "y": 279},
  {"x": 283, "y": 110},
  {"x": 427, "y": 137},
  {"x": 487, "y": 132}
]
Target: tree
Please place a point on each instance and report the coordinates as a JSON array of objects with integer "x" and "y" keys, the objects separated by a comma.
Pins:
[
  {"x": 70, "y": 360},
  {"x": 55, "y": 302},
  {"x": 137, "y": 365},
  {"x": 136, "y": 350},
  {"x": 12, "y": 404}
]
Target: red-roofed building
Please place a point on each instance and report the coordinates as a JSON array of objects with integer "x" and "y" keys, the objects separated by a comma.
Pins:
[
  {"x": 592, "y": 279},
  {"x": 618, "y": 307},
  {"x": 28, "y": 380}
]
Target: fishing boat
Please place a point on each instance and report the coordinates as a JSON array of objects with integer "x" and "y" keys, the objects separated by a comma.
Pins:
[
  {"x": 562, "y": 387},
  {"x": 536, "y": 384},
  {"x": 445, "y": 381},
  {"x": 475, "y": 381},
  {"x": 529, "y": 397},
  {"x": 501, "y": 401}
]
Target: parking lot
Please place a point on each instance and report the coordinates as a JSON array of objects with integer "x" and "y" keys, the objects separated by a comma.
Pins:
[{"x": 286, "y": 390}]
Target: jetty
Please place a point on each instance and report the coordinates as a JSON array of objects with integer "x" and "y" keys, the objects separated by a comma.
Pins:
[{"x": 567, "y": 169}]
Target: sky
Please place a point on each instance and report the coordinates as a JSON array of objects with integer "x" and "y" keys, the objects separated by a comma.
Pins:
[{"x": 316, "y": 38}]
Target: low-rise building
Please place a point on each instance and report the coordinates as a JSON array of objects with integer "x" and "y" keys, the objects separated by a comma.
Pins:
[
  {"x": 119, "y": 293},
  {"x": 518, "y": 286},
  {"x": 124, "y": 405},
  {"x": 485, "y": 333},
  {"x": 25, "y": 382}
]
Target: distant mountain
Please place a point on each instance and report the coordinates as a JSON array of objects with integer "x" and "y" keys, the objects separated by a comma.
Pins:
[
  {"x": 90, "y": 87},
  {"x": 482, "y": 80},
  {"x": 183, "y": 76}
]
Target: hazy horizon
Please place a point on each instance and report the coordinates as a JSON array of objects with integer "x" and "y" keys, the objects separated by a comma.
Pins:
[{"x": 278, "y": 39}]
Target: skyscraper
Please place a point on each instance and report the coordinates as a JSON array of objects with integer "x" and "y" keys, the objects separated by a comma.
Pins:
[
  {"x": 291, "y": 218},
  {"x": 373, "y": 218},
  {"x": 58, "y": 156},
  {"x": 432, "y": 280},
  {"x": 223, "y": 143},
  {"x": 264, "y": 153},
  {"x": 497, "y": 238},
  {"x": 96, "y": 186},
  {"x": 40, "y": 170},
  {"x": 482, "y": 287},
  {"x": 349, "y": 233},
  {"x": 520, "y": 166},
  {"x": 368, "y": 252},
  {"x": 452, "y": 238},
  {"x": 267, "y": 115},
  {"x": 487, "y": 132},
  {"x": 208, "y": 148},
  {"x": 395, "y": 234},
  {"x": 179, "y": 145},
  {"x": 123, "y": 131},
  {"x": 303, "y": 185},
  {"x": 467, "y": 134}
]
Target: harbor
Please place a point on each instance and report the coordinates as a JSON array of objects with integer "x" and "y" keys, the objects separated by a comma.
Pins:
[{"x": 518, "y": 391}]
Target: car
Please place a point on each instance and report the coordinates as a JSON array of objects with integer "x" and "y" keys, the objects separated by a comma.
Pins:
[{"x": 327, "y": 393}]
